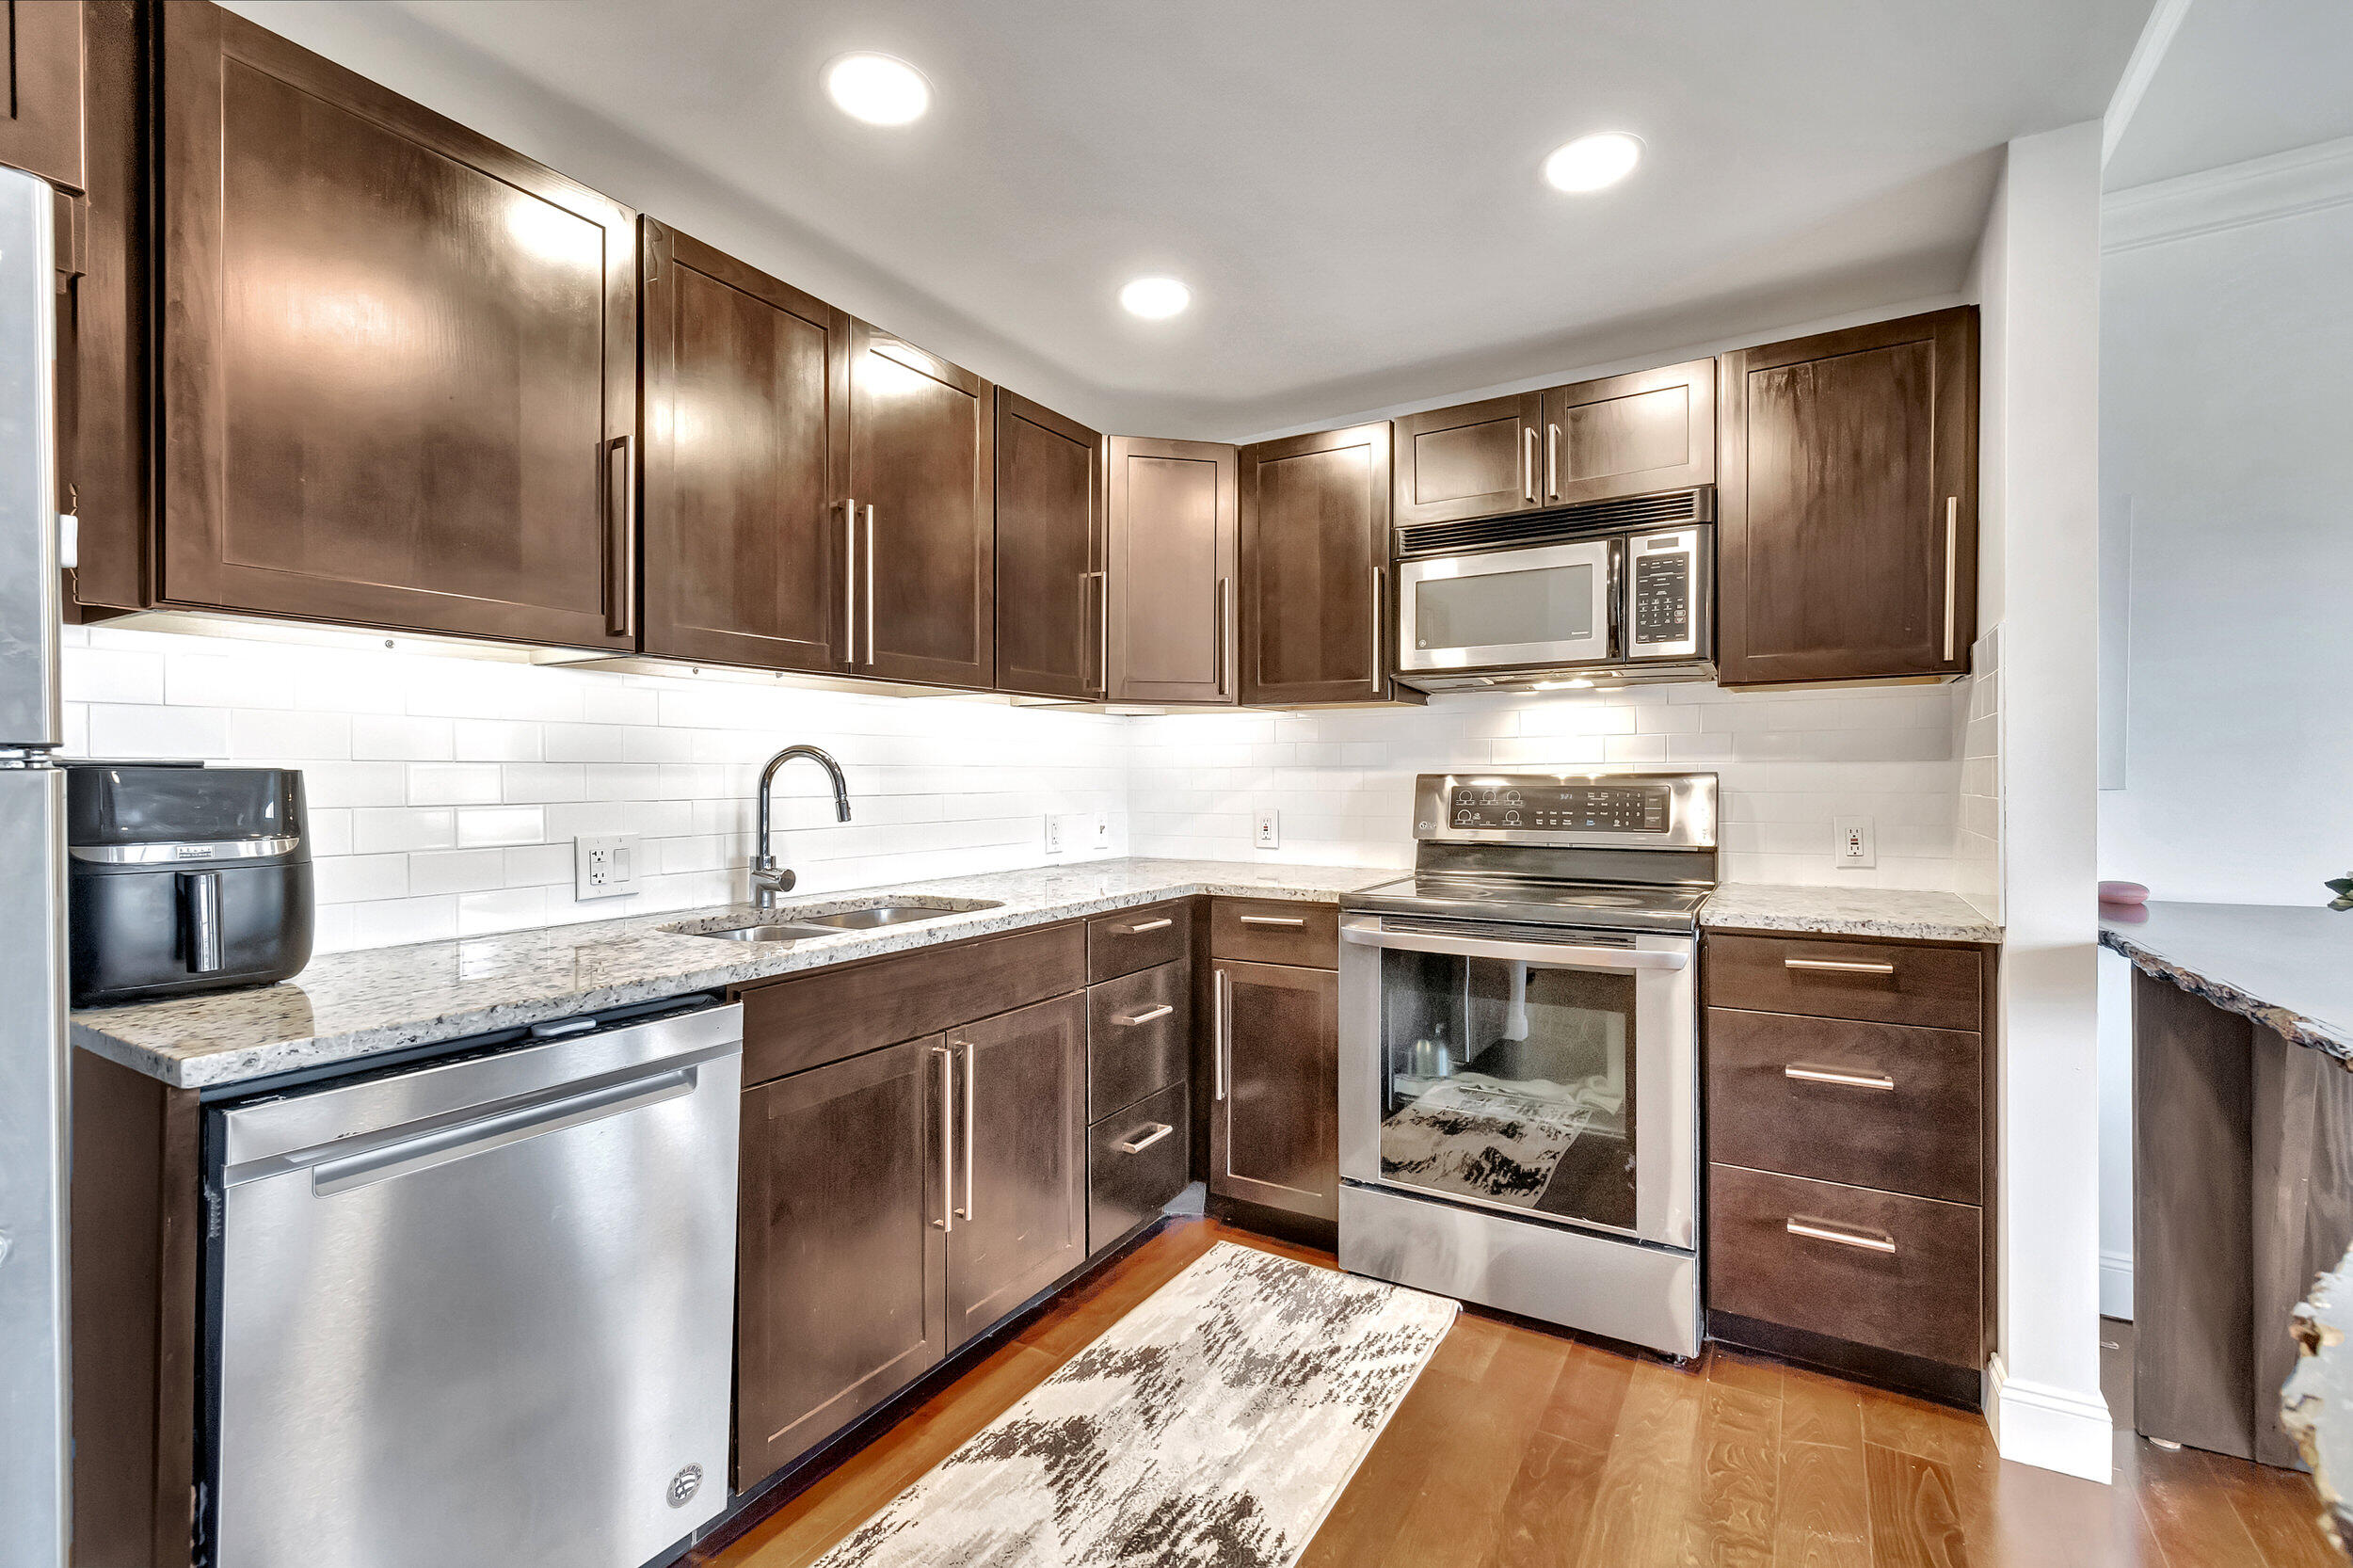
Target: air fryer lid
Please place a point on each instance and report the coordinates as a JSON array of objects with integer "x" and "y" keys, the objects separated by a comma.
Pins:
[{"x": 134, "y": 803}]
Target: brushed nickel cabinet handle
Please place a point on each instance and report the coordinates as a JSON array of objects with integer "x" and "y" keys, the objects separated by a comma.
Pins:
[
  {"x": 1552, "y": 462},
  {"x": 1224, "y": 627},
  {"x": 1836, "y": 966},
  {"x": 1527, "y": 461},
  {"x": 1150, "y": 1014},
  {"x": 1274, "y": 919},
  {"x": 1102, "y": 580},
  {"x": 1160, "y": 925},
  {"x": 870, "y": 584},
  {"x": 970, "y": 1072},
  {"x": 1152, "y": 1133},
  {"x": 1833, "y": 1075},
  {"x": 1822, "y": 1230},
  {"x": 1217, "y": 1028},
  {"x": 947, "y": 1060},
  {"x": 1952, "y": 563},
  {"x": 849, "y": 580},
  {"x": 1380, "y": 593},
  {"x": 620, "y": 599}
]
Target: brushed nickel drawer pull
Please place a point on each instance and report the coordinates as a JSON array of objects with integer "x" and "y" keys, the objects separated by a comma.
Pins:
[
  {"x": 1552, "y": 462},
  {"x": 947, "y": 1060},
  {"x": 1219, "y": 1044},
  {"x": 1952, "y": 566},
  {"x": 1154, "y": 1133},
  {"x": 1275, "y": 919},
  {"x": 1161, "y": 924},
  {"x": 1528, "y": 462},
  {"x": 970, "y": 1072},
  {"x": 1838, "y": 965},
  {"x": 1822, "y": 1230},
  {"x": 1148, "y": 1016},
  {"x": 1834, "y": 1075}
]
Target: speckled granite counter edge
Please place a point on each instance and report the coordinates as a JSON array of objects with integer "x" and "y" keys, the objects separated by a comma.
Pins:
[
  {"x": 1727, "y": 913},
  {"x": 2290, "y": 1025},
  {"x": 2316, "y": 1403}
]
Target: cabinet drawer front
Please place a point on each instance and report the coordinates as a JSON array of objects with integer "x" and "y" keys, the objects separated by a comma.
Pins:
[
  {"x": 1874, "y": 1268},
  {"x": 814, "y": 1018},
  {"x": 1139, "y": 1033},
  {"x": 1133, "y": 1167},
  {"x": 1133, "y": 939},
  {"x": 1275, "y": 931},
  {"x": 1870, "y": 1105},
  {"x": 1877, "y": 981}
]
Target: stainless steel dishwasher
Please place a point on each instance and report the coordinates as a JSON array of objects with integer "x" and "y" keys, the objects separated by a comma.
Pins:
[{"x": 477, "y": 1311}]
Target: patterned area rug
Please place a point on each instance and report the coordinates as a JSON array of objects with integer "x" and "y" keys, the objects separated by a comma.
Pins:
[{"x": 1213, "y": 1425}]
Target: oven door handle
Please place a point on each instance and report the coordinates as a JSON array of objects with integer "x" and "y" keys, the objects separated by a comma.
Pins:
[{"x": 1566, "y": 955}]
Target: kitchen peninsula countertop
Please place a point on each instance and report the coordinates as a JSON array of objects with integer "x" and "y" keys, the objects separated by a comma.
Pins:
[
  {"x": 1898, "y": 912},
  {"x": 2288, "y": 968}
]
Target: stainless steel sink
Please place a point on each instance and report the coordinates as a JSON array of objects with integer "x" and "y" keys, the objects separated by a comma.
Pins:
[
  {"x": 883, "y": 914},
  {"x": 766, "y": 933},
  {"x": 793, "y": 926}
]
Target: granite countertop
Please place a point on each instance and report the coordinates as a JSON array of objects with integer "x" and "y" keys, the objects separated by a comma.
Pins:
[
  {"x": 346, "y": 1006},
  {"x": 2316, "y": 1404},
  {"x": 1847, "y": 912},
  {"x": 2290, "y": 968}
]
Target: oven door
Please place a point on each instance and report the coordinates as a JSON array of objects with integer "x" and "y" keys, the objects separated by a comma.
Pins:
[
  {"x": 1550, "y": 605},
  {"x": 1539, "y": 1072}
]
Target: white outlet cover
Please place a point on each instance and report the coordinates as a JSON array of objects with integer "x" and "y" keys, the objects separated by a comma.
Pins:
[
  {"x": 1267, "y": 830},
  {"x": 1853, "y": 844},
  {"x": 1100, "y": 830},
  {"x": 1053, "y": 834},
  {"x": 604, "y": 865}
]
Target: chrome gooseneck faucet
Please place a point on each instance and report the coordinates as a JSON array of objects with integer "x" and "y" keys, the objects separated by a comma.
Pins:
[{"x": 770, "y": 880}]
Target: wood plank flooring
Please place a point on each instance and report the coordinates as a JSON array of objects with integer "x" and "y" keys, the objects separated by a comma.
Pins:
[{"x": 1520, "y": 1447}]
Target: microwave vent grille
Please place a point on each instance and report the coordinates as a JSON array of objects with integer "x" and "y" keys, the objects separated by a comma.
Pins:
[{"x": 1669, "y": 510}]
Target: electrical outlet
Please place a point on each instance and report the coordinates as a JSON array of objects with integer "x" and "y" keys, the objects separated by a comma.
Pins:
[
  {"x": 1100, "y": 830},
  {"x": 604, "y": 865},
  {"x": 1855, "y": 846},
  {"x": 1267, "y": 833},
  {"x": 1053, "y": 834}
]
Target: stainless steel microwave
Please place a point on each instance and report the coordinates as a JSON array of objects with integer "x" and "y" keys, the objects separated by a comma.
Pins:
[{"x": 1627, "y": 603}]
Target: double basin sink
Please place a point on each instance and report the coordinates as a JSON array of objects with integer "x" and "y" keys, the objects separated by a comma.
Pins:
[{"x": 784, "y": 925}]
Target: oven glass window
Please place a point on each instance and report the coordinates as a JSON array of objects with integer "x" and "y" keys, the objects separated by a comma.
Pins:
[
  {"x": 1549, "y": 605},
  {"x": 1509, "y": 1083}
]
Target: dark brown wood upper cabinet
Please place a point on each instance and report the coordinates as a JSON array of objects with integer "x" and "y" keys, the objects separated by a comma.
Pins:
[
  {"x": 1173, "y": 559},
  {"x": 40, "y": 113},
  {"x": 1847, "y": 539},
  {"x": 1629, "y": 435},
  {"x": 747, "y": 431},
  {"x": 1477, "y": 460},
  {"x": 1022, "y": 1215},
  {"x": 1314, "y": 528},
  {"x": 1052, "y": 613},
  {"x": 922, "y": 476},
  {"x": 398, "y": 361}
]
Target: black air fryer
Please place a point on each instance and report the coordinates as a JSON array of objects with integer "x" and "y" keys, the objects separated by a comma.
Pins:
[{"x": 185, "y": 878}]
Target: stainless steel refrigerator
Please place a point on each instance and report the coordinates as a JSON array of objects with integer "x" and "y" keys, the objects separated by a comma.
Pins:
[{"x": 34, "y": 1434}]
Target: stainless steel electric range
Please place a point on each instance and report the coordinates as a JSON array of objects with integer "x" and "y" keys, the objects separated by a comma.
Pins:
[{"x": 1519, "y": 1049}]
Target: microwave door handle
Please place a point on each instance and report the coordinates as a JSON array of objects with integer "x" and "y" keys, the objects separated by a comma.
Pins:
[
  {"x": 1620, "y": 599},
  {"x": 1557, "y": 955}
]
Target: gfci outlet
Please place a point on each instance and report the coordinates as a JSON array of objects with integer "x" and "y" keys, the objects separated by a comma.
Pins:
[
  {"x": 1855, "y": 846},
  {"x": 604, "y": 865},
  {"x": 1267, "y": 833}
]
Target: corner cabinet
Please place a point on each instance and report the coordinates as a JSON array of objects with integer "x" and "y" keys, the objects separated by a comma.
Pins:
[
  {"x": 1054, "y": 613},
  {"x": 398, "y": 363},
  {"x": 745, "y": 437},
  {"x": 1173, "y": 560},
  {"x": 1847, "y": 543},
  {"x": 1315, "y": 552}
]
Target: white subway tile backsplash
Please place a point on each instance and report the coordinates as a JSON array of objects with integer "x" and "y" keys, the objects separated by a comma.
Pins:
[
  {"x": 494, "y": 741},
  {"x": 460, "y": 870},
  {"x": 384, "y": 829},
  {"x": 133, "y": 730},
  {"x": 391, "y": 737},
  {"x": 290, "y": 737},
  {"x": 453, "y": 784},
  {"x": 484, "y": 826}
]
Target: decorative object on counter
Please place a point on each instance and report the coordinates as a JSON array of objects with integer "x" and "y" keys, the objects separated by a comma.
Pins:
[
  {"x": 2123, "y": 892},
  {"x": 2343, "y": 887},
  {"x": 1220, "y": 1418},
  {"x": 2316, "y": 1405}
]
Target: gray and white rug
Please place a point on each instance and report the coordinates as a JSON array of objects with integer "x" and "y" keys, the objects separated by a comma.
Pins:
[{"x": 1213, "y": 1425}]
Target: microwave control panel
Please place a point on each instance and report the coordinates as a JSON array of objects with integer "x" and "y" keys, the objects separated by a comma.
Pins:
[{"x": 1666, "y": 594}]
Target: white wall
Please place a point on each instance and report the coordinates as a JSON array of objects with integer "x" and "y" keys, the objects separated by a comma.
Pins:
[
  {"x": 445, "y": 792},
  {"x": 2040, "y": 280}
]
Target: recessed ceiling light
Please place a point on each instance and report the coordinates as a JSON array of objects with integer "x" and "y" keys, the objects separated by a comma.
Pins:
[
  {"x": 1155, "y": 298},
  {"x": 1590, "y": 163},
  {"x": 878, "y": 90}
]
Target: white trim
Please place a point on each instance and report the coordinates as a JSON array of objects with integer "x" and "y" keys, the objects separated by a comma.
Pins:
[
  {"x": 2306, "y": 180},
  {"x": 2157, "y": 36},
  {"x": 2054, "y": 1429},
  {"x": 2116, "y": 1285}
]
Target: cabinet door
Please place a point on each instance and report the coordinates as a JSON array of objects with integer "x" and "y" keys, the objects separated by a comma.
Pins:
[
  {"x": 1478, "y": 460},
  {"x": 1274, "y": 1110},
  {"x": 923, "y": 474},
  {"x": 1630, "y": 435},
  {"x": 842, "y": 1250},
  {"x": 398, "y": 364},
  {"x": 1021, "y": 1218},
  {"x": 746, "y": 379},
  {"x": 1172, "y": 573},
  {"x": 1847, "y": 545},
  {"x": 40, "y": 117},
  {"x": 1052, "y": 615},
  {"x": 1315, "y": 552}
]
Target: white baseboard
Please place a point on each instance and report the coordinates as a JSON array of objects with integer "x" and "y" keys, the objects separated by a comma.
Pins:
[
  {"x": 2051, "y": 1428},
  {"x": 2116, "y": 1285}
]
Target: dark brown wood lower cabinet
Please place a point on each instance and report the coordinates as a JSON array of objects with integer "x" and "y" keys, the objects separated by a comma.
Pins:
[
  {"x": 1274, "y": 1100},
  {"x": 1021, "y": 1218},
  {"x": 842, "y": 1254}
]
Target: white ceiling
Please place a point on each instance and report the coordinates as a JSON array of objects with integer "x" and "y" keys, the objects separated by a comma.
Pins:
[
  {"x": 2242, "y": 79},
  {"x": 1351, "y": 190}
]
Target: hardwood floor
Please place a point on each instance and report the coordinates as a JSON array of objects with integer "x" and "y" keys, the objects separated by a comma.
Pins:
[{"x": 1519, "y": 1448}]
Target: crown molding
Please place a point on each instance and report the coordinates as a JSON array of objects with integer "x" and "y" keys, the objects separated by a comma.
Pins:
[{"x": 2306, "y": 180}]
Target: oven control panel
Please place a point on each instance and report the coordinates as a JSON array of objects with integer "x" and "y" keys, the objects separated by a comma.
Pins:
[
  {"x": 1595, "y": 807},
  {"x": 1646, "y": 809}
]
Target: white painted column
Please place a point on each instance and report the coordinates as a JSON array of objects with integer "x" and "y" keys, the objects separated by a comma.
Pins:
[{"x": 2039, "y": 276}]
